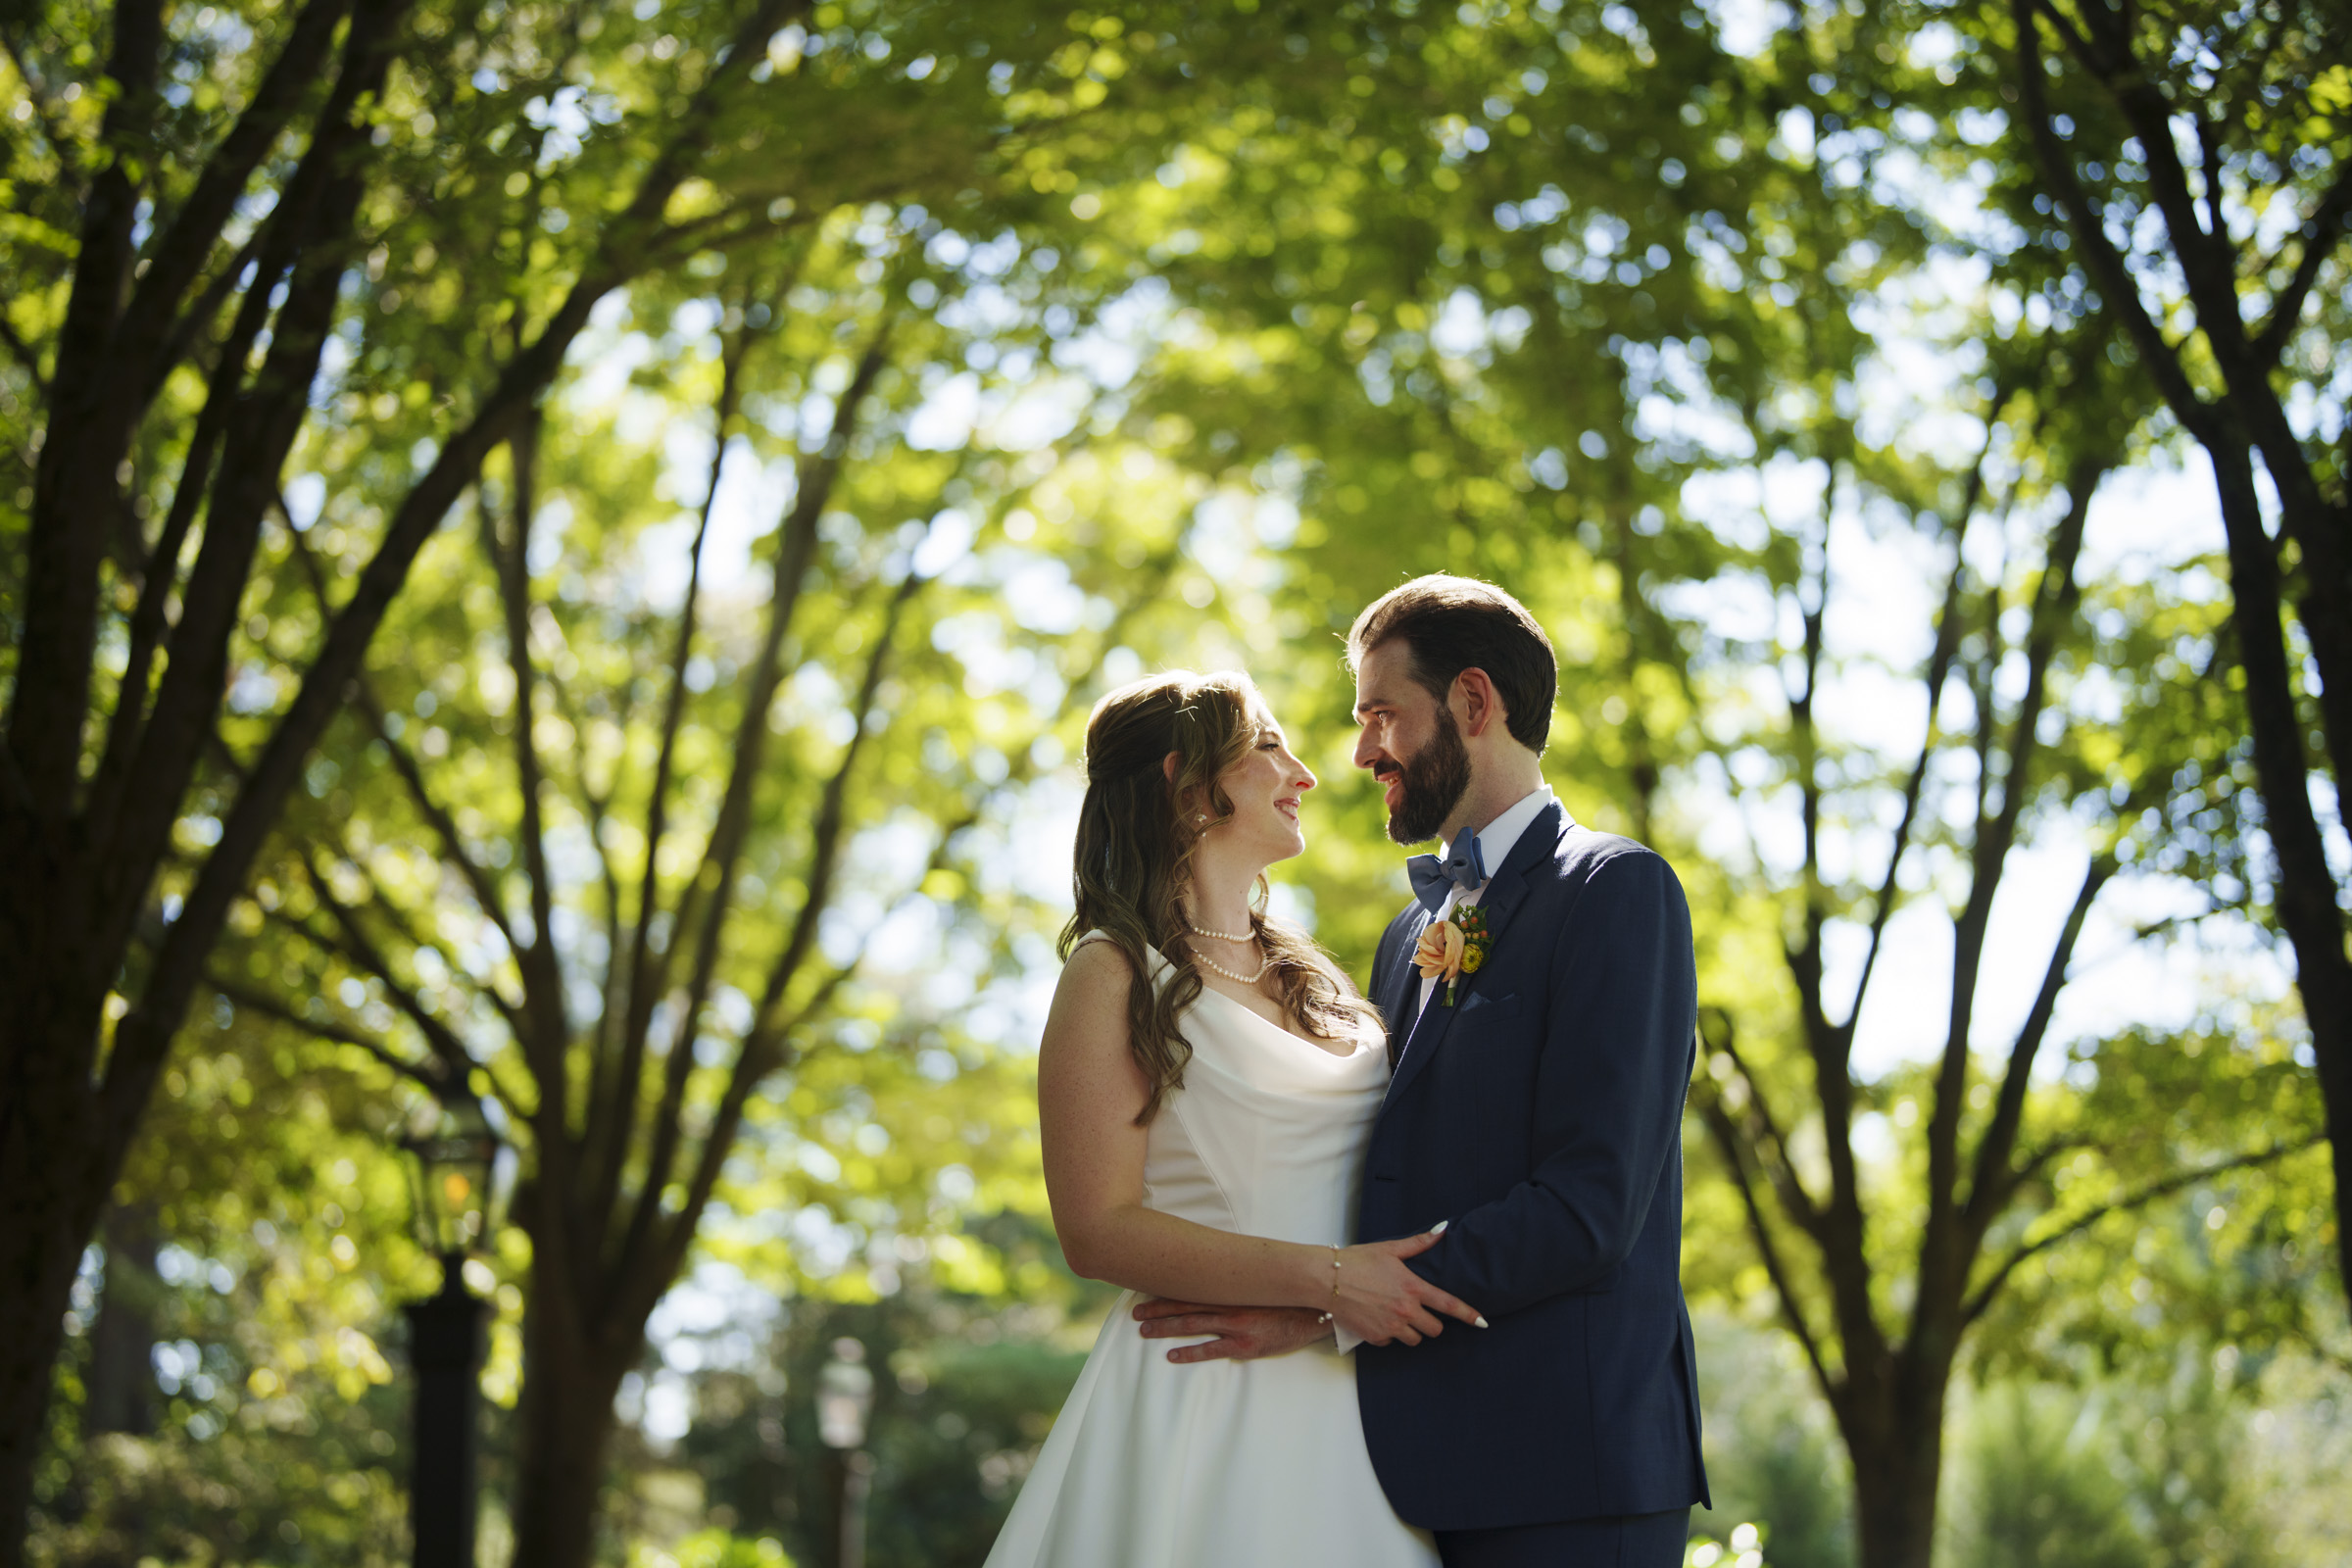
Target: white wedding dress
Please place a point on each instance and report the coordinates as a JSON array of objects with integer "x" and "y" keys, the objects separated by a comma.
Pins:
[{"x": 1227, "y": 1464}]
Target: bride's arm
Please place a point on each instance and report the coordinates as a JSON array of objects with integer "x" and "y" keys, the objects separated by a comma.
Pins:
[{"x": 1089, "y": 1090}]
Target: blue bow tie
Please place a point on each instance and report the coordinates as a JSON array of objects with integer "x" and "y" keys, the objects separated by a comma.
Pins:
[{"x": 1463, "y": 866}]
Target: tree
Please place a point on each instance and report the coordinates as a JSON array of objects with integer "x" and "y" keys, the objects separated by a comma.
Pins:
[
  {"x": 586, "y": 848},
  {"x": 1554, "y": 435},
  {"x": 1882, "y": 1274},
  {"x": 197, "y": 208},
  {"x": 390, "y": 221},
  {"x": 2199, "y": 159}
]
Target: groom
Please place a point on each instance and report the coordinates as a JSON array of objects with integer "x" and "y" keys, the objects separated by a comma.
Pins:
[{"x": 1534, "y": 1108}]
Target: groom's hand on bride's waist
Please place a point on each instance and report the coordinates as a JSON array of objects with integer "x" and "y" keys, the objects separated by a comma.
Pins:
[{"x": 1239, "y": 1333}]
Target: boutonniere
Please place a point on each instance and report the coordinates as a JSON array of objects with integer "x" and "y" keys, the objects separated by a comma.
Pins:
[{"x": 1451, "y": 949}]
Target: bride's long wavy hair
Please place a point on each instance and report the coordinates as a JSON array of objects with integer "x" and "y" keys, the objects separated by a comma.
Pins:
[{"x": 1136, "y": 837}]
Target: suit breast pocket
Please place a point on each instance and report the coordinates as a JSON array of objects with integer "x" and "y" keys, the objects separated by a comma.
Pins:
[{"x": 1490, "y": 1010}]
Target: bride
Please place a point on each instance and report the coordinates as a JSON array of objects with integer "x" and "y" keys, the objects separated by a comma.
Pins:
[{"x": 1206, "y": 1083}]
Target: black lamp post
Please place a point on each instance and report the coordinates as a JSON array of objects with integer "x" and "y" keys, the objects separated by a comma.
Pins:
[
  {"x": 451, "y": 1172},
  {"x": 845, "y": 1398}
]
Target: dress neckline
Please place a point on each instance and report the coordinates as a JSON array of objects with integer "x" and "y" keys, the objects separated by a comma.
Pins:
[{"x": 1361, "y": 1045}]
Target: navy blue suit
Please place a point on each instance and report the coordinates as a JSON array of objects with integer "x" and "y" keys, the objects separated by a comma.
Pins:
[{"x": 1540, "y": 1117}]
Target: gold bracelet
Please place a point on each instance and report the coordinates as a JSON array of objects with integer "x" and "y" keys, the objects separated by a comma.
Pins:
[{"x": 1335, "y": 1273}]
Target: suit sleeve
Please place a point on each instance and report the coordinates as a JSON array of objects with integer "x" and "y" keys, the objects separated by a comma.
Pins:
[
  {"x": 1386, "y": 956},
  {"x": 1609, "y": 1089},
  {"x": 1382, "y": 956}
]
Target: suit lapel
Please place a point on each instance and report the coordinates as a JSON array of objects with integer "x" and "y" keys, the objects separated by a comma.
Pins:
[
  {"x": 1505, "y": 891},
  {"x": 1395, "y": 989}
]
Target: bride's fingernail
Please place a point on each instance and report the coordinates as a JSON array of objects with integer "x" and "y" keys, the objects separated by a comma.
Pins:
[
  {"x": 1480, "y": 1322},
  {"x": 1439, "y": 1229}
]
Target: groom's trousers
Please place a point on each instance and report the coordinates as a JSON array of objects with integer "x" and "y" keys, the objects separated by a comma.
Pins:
[{"x": 1634, "y": 1540}]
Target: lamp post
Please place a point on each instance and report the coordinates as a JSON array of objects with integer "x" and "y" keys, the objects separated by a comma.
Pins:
[
  {"x": 450, "y": 1169},
  {"x": 845, "y": 1398}
]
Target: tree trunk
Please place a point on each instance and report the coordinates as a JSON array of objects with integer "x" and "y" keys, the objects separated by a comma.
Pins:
[
  {"x": 1898, "y": 1469},
  {"x": 57, "y": 1162},
  {"x": 54, "y": 1176},
  {"x": 2306, "y": 894},
  {"x": 570, "y": 1382}
]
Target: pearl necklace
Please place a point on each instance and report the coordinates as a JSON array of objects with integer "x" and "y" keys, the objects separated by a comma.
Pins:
[
  {"x": 1265, "y": 962},
  {"x": 1221, "y": 936}
]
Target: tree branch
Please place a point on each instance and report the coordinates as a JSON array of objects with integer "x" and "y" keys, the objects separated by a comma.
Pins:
[
  {"x": 363, "y": 951},
  {"x": 2319, "y": 238},
  {"x": 1729, "y": 1143},
  {"x": 598, "y": 806},
  {"x": 268, "y": 414},
  {"x": 486, "y": 894},
  {"x": 1992, "y": 1181},
  {"x": 454, "y": 853},
  {"x": 1940, "y": 669},
  {"x": 2149, "y": 1193},
  {"x": 432, "y": 1080},
  {"x": 824, "y": 858},
  {"x": 2208, "y": 147},
  {"x": 2055, "y": 601},
  {"x": 1842, "y": 1225},
  {"x": 2208, "y": 266},
  {"x": 85, "y": 440},
  {"x": 2120, "y": 290},
  {"x": 543, "y": 1009},
  {"x": 177, "y": 255},
  {"x": 413, "y": 522},
  {"x": 181, "y": 342},
  {"x": 1772, "y": 1146},
  {"x": 614, "y": 1083}
]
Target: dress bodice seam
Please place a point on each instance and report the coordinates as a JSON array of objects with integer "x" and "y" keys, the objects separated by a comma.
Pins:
[{"x": 1174, "y": 1106}]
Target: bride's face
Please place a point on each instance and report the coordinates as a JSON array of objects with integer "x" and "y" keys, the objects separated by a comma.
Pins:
[{"x": 1265, "y": 787}]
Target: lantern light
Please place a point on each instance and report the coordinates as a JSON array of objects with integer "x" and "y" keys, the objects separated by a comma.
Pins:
[{"x": 458, "y": 1169}]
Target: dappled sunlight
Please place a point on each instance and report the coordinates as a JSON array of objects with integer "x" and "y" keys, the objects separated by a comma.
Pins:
[{"x": 554, "y": 562}]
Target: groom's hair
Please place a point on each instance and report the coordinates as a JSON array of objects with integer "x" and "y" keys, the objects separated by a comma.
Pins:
[{"x": 1456, "y": 623}]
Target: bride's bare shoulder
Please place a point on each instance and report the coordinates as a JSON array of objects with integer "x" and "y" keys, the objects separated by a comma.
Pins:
[
  {"x": 1096, "y": 975},
  {"x": 1089, "y": 1012},
  {"x": 1094, "y": 958}
]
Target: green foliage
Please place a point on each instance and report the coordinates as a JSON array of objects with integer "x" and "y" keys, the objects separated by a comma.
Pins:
[
  {"x": 2110, "y": 1475},
  {"x": 1772, "y": 1449},
  {"x": 713, "y": 1549},
  {"x": 1260, "y": 310},
  {"x": 277, "y": 1428}
]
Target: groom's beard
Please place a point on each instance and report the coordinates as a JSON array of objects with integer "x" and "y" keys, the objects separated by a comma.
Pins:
[{"x": 1436, "y": 777}]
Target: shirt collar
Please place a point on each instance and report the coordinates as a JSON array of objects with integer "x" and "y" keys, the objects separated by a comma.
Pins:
[{"x": 1498, "y": 838}]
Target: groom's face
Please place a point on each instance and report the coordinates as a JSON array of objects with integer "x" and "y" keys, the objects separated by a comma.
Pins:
[{"x": 1410, "y": 743}]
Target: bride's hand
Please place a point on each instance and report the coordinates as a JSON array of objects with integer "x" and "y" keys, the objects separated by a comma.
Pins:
[{"x": 1378, "y": 1299}]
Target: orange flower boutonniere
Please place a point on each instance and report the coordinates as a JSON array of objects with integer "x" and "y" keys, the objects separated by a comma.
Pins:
[{"x": 1451, "y": 949}]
